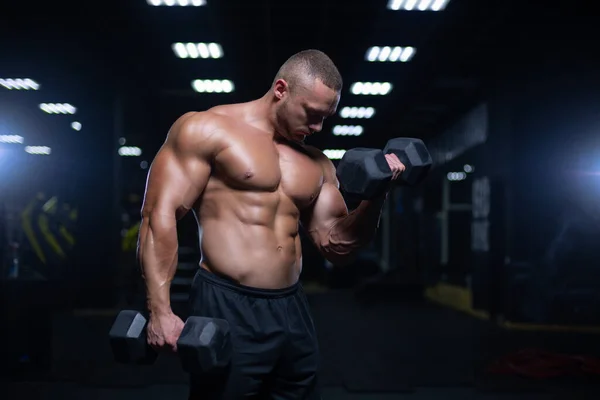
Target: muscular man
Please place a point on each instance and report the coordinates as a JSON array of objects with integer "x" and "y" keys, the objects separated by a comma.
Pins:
[{"x": 250, "y": 181}]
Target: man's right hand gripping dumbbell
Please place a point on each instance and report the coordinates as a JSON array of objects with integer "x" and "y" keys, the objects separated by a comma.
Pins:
[
  {"x": 202, "y": 343},
  {"x": 365, "y": 173}
]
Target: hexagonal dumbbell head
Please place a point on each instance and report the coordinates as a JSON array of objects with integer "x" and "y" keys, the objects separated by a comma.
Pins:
[
  {"x": 204, "y": 345},
  {"x": 363, "y": 173},
  {"x": 128, "y": 339}
]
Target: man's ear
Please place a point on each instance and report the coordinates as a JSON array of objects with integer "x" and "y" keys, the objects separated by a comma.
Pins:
[{"x": 280, "y": 88}]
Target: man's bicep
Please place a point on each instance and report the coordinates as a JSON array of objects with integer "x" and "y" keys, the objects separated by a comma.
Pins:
[{"x": 327, "y": 209}]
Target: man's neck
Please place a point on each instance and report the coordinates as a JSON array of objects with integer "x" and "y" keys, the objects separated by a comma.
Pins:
[{"x": 261, "y": 114}]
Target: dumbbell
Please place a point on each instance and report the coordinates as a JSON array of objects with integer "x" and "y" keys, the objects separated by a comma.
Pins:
[
  {"x": 203, "y": 346},
  {"x": 364, "y": 173}
]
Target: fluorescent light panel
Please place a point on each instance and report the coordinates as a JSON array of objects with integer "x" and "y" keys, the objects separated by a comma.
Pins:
[
  {"x": 390, "y": 54},
  {"x": 11, "y": 139},
  {"x": 58, "y": 108},
  {"x": 38, "y": 150},
  {"x": 348, "y": 130},
  {"x": 334, "y": 154},
  {"x": 456, "y": 176},
  {"x": 417, "y": 5},
  {"x": 357, "y": 112},
  {"x": 130, "y": 151},
  {"x": 197, "y": 50},
  {"x": 371, "y": 88},
  {"x": 180, "y": 3},
  {"x": 213, "y": 86},
  {"x": 19, "y": 84}
]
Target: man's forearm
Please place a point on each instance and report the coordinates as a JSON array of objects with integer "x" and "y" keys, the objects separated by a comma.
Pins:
[
  {"x": 158, "y": 259},
  {"x": 356, "y": 229}
]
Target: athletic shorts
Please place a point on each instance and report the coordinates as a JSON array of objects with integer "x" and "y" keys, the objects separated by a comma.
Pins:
[{"x": 275, "y": 353}]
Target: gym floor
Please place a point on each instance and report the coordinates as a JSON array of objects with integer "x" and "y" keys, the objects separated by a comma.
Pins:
[
  {"x": 65, "y": 391},
  {"x": 381, "y": 349}
]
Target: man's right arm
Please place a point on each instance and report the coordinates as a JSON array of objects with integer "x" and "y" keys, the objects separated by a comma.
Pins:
[{"x": 177, "y": 178}]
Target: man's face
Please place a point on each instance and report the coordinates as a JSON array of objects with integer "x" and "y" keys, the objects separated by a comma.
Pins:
[{"x": 301, "y": 113}]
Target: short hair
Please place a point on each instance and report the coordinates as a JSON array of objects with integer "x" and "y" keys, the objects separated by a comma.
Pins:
[{"x": 310, "y": 63}]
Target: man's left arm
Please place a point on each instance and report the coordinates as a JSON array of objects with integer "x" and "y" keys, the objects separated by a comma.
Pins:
[{"x": 337, "y": 233}]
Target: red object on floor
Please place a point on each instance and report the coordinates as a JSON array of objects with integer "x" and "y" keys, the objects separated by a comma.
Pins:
[{"x": 543, "y": 364}]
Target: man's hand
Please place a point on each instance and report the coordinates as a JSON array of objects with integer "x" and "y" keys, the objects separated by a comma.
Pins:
[
  {"x": 395, "y": 165},
  {"x": 163, "y": 331}
]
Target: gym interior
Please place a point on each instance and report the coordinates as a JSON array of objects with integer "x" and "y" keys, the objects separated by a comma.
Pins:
[{"x": 483, "y": 281}]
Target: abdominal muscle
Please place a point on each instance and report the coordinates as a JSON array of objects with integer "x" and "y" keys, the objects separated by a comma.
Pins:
[{"x": 251, "y": 238}]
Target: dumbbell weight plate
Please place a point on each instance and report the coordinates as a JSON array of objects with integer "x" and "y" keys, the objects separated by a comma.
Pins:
[
  {"x": 128, "y": 339},
  {"x": 364, "y": 173},
  {"x": 204, "y": 345}
]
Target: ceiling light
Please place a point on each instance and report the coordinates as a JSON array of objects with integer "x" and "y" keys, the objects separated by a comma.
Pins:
[
  {"x": 213, "y": 86},
  {"x": 12, "y": 139},
  {"x": 334, "y": 154},
  {"x": 371, "y": 88},
  {"x": 197, "y": 50},
  {"x": 348, "y": 130},
  {"x": 417, "y": 5},
  {"x": 456, "y": 176},
  {"x": 390, "y": 54},
  {"x": 130, "y": 151},
  {"x": 19, "y": 84},
  {"x": 38, "y": 150},
  {"x": 357, "y": 112},
  {"x": 180, "y": 3},
  {"x": 58, "y": 108}
]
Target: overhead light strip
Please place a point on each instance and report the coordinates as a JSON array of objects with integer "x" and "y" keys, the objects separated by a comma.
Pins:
[
  {"x": 213, "y": 86},
  {"x": 390, "y": 54},
  {"x": 197, "y": 50},
  {"x": 334, "y": 154},
  {"x": 357, "y": 112},
  {"x": 371, "y": 88},
  {"x": 19, "y": 84},
  {"x": 176, "y": 3},
  {"x": 348, "y": 130},
  {"x": 58, "y": 108},
  {"x": 417, "y": 5}
]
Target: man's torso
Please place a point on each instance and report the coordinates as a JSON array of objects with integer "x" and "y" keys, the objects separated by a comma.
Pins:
[{"x": 250, "y": 209}]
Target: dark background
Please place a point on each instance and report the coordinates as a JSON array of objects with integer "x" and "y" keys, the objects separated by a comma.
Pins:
[{"x": 504, "y": 93}]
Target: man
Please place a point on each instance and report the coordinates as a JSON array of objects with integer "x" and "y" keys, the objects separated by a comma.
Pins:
[{"x": 250, "y": 181}]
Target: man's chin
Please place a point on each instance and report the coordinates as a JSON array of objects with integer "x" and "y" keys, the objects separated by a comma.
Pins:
[{"x": 298, "y": 137}]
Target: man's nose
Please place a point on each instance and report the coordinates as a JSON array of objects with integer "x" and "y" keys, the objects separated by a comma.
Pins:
[{"x": 314, "y": 128}]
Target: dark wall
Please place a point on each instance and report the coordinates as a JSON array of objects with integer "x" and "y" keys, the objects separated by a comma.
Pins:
[{"x": 541, "y": 157}]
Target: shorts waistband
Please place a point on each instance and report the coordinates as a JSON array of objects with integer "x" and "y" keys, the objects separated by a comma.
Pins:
[{"x": 226, "y": 283}]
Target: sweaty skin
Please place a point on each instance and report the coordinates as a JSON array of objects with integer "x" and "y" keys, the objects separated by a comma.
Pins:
[
  {"x": 250, "y": 191},
  {"x": 247, "y": 192}
]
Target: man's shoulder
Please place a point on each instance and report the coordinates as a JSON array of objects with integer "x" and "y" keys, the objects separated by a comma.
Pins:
[
  {"x": 227, "y": 111},
  {"x": 316, "y": 154},
  {"x": 324, "y": 161},
  {"x": 197, "y": 130},
  {"x": 203, "y": 121}
]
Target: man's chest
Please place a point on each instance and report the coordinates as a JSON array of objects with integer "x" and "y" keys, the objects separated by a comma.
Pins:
[{"x": 258, "y": 164}]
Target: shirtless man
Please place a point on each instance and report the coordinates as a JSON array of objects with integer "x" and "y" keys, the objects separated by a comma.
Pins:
[{"x": 251, "y": 182}]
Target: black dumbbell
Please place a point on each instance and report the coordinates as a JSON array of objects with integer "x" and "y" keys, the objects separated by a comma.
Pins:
[
  {"x": 364, "y": 173},
  {"x": 203, "y": 346}
]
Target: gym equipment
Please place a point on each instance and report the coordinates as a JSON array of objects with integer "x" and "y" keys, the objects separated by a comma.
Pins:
[
  {"x": 365, "y": 173},
  {"x": 414, "y": 155},
  {"x": 203, "y": 346},
  {"x": 48, "y": 225}
]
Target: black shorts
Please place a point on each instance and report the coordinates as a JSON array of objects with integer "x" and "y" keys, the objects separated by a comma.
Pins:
[{"x": 275, "y": 353}]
